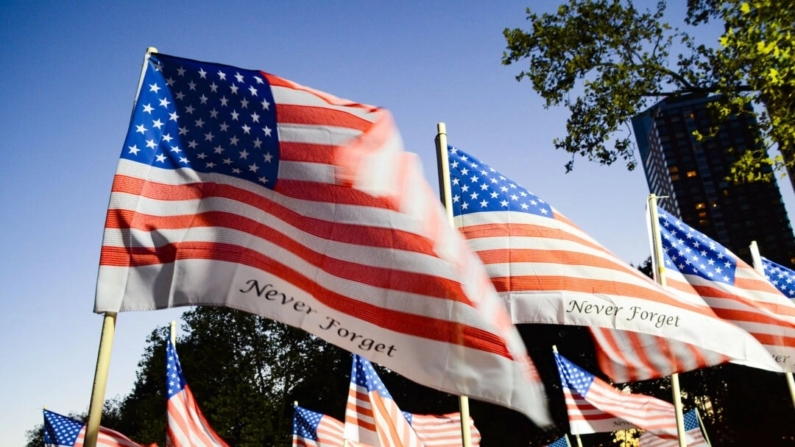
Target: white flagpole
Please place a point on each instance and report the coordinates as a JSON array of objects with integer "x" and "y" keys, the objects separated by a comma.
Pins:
[
  {"x": 576, "y": 435},
  {"x": 568, "y": 443},
  {"x": 659, "y": 276},
  {"x": 106, "y": 339},
  {"x": 447, "y": 200},
  {"x": 703, "y": 429},
  {"x": 757, "y": 258}
]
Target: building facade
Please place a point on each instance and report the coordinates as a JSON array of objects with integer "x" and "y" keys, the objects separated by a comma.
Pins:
[{"x": 693, "y": 175}]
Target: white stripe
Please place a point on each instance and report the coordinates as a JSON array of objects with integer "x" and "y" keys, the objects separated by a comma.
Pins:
[{"x": 290, "y": 96}]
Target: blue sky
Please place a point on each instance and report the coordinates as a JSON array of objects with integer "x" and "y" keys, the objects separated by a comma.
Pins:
[{"x": 70, "y": 72}]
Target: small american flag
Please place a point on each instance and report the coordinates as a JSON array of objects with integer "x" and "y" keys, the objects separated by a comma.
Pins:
[
  {"x": 441, "y": 430},
  {"x": 595, "y": 407},
  {"x": 693, "y": 435},
  {"x": 62, "y": 431},
  {"x": 242, "y": 189},
  {"x": 781, "y": 277},
  {"x": 562, "y": 442},
  {"x": 312, "y": 429},
  {"x": 696, "y": 267},
  {"x": 187, "y": 426},
  {"x": 549, "y": 271},
  {"x": 371, "y": 415}
]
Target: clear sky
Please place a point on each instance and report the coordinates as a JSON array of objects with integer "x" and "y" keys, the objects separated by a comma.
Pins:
[{"x": 69, "y": 74}]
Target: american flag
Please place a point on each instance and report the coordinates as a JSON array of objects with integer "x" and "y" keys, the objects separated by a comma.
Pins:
[
  {"x": 595, "y": 407},
  {"x": 693, "y": 435},
  {"x": 312, "y": 429},
  {"x": 187, "y": 426},
  {"x": 781, "y": 277},
  {"x": 371, "y": 415},
  {"x": 242, "y": 189},
  {"x": 549, "y": 271},
  {"x": 441, "y": 430},
  {"x": 562, "y": 442},
  {"x": 62, "y": 431},
  {"x": 700, "y": 268}
]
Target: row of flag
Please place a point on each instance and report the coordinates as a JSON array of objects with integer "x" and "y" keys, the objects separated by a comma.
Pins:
[{"x": 239, "y": 188}]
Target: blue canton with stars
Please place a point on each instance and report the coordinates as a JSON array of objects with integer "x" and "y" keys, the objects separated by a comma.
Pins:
[
  {"x": 476, "y": 187},
  {"x": 690, "y": 419},
  {"x": 60, "y": 430},
  {"x": 305, "y": 423},
  {"x": 175, "y": 381},
  {"x": 559, "y": 443},
  {"x": 692, "y": 253},
  {"x": 572, "y": 376},
  {"x": 206, "y": 117},
  {"x": 780, "y": 276},
  {"x": 363, "y": 375}
]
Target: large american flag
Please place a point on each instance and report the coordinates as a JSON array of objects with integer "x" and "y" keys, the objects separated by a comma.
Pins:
[
  {"x": 63, "y": 431},
  {"x": 594, "y": 406},
  {"x": 549, "y": 271},
  {"x": 186, "y": 425},
  {"x": 313, "y": 429},
  {"x": 781, "y": 277},
  {"x": 242, "y": 189},
  {"x": 696, "y": 267},
  {"x": 693, "y": 435}
]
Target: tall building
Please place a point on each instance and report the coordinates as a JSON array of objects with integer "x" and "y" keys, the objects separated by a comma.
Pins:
[{"x": 693, "y": 174}]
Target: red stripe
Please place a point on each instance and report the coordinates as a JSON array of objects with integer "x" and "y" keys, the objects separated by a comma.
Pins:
[
  {"x": 526, "y": 230},
  {"x": 338, "y": 232},
  {"x": 400, "y": 322},
  {"x": 306, "y": 152},
  {"x": 319, "y": 116},
  {"x": 417, "y": 283}
]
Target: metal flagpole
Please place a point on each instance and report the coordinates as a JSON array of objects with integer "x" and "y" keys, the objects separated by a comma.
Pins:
[
  {"x": 447, "y": 200},
  {"x": 659, "y": 276},
  {"x": 757, "y": 258},
  {"x": 568, "y": 443}
]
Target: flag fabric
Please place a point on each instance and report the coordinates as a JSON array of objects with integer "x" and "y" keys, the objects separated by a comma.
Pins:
[
  {"x": 238, "y": 188},
  {"x": 371, "y": 415},
  {"x": 63, "y": 431},
  {"x": 441, "y": 430},
  {"x": 549, "y": 271},
  {"x": 594, "y": 406},
  {"x": 693, "y": 435},
  {"x": 562, "y": 442},
  {"x": 186, "y": 426},
  {"x": 312, "y": 429},
  {"x": 698, "y": 268},
  {"x": 781, "y": 277}
]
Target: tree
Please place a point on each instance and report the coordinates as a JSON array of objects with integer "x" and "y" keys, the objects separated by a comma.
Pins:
[{"x": 618, "y": 60}]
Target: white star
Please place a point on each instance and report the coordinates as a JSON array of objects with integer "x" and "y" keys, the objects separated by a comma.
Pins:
[
  {"x": 180, "y": 96},
  {"x": 208, "y": 136},
  {"x": 222, "y": 75},
  {"x": 224, "y": 126},
  {"x": 165, "y": 102},
  {"x": 199, "y": 122},
  {"x": 202, "y": 73},
  {"x": 504, "y": 203},
  {"x": 210, "y": 165},
  {"x": 192, "y": 85},
  {"x": 233, "y": 87},
  {"x": 183, "y": 130},
  {"x": 253, "y": 167},
  {"x": 224, "y": 101},
  {"x": 181, "y": 71},
  {"x": 201, "y": 156},
  {"x": 252, "y": 90},
  {"x": 267, "y": 131},
  {"x": 167, "y": 138},
  {"x": 161, "y": 158},
  {"x": 263, "y": 179},
  {"x": 189, "y": 109},
  {"x": 244, "y": 103},
  {"x": 203, "y": 99},
  {"x": 157, "y": 124},
  {"x": 233, "y": 141},
  {"x": 140, "y": 128},
  {"x": 227, "y": 161},
  {"x": 218, "y": 149},
  {"x": 257, "y": 143},
  {"x": 148, "y": 108},
  {"x": 246, "y": 129},
  {"x": 151, "y": 144},
  {"x": 176, "y": 149},
  {"x": 244, "y": 154},
  {"x": 154, "y": 87},
  {"x": 133, "y": 149},
  {"x": 214, "y": 88},
  {"x": 484, "y": 204},
  {"x": 235, "y": 115},
  {"x": 173, "y": 116},
  {"x": 213, "y": 113},
  {"x": 259, "y": 81},
  {"x": 268, "y": 157},
  {"x": 192, "y": 144},
  {"x": 265, "y": 104},
  {"x": 254, "y": 117},
  {"x": 239, "y": 77}
]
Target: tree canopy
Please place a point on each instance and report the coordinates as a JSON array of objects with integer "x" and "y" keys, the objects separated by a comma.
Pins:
[{"x": 606, "y": 61}]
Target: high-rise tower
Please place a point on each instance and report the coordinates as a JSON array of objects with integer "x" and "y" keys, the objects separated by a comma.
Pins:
[{"x": 693, "y": 176}]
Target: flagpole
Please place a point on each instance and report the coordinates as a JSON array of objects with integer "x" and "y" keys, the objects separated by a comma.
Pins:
[
  {"x": 757, "y": 258},
  {"x": 106, "y": 339},
  {"x": 568, "y": 443},
  {"x": 447, "y": 200},
  {"x": 659, "y": 276},
  {"x": 703, "y": 429}
]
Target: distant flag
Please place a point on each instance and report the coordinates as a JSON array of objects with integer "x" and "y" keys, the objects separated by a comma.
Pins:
[
  {"x": 549, "y": 271},
  {"x": 781, "y": 277},
  {"x": 371, "y": 415},
  {"x": 186, "y": 426},
  {"x": 239, "y": 188},
  {"x": 441, "y": 430},
  {"x": 698, "y": 268},
  {"x": 62, "y": 431},
  {"x": 693, "y": 435},
  {"x": 312, "y": 429},
  {"x": 594, "y": 406},
  {"x": 562, "y": 442}
]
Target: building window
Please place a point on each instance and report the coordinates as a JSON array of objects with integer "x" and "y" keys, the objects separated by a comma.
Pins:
[
  {"x": 675, "y": 177},
  {"x": 701, "y": 205},
  {"x": 673, "y": 169},
  {"x": 691, "y": 173},
  {"x": 702, "y": 214}
]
